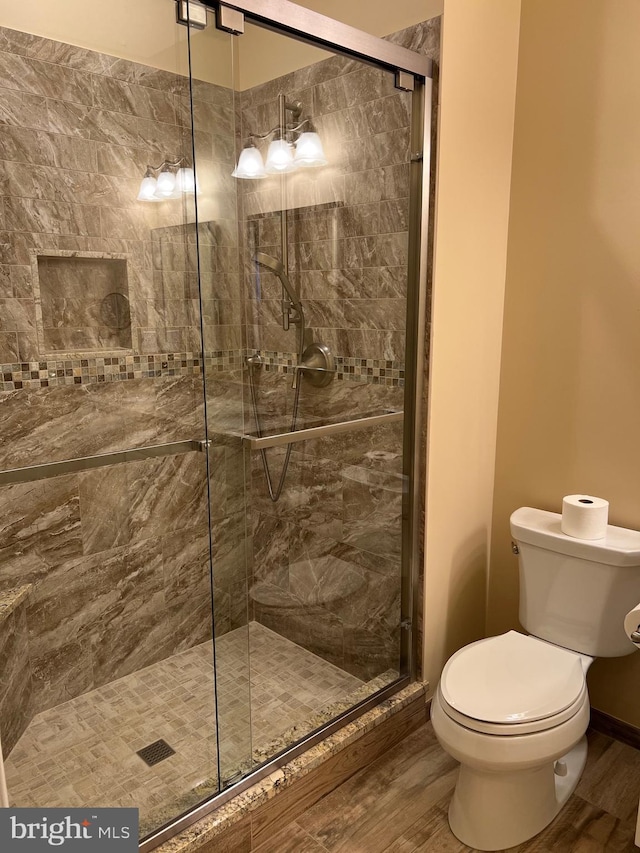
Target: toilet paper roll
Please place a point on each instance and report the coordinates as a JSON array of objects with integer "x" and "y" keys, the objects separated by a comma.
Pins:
[
  {"x": 584, "y": 516},
  {"x": 632, "y": 625}
]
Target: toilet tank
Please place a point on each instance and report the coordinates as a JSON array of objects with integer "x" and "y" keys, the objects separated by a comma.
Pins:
[{"x": 576, "y": 592}]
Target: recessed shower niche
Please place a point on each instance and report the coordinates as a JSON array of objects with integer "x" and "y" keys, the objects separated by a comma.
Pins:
[{"x": 82, "y": 302}]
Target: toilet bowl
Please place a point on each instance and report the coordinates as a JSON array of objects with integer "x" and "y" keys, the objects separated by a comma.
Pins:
[{"x": 513, "y": 710}]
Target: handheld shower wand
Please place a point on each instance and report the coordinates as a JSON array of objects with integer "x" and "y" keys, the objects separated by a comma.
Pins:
[
  {"x": 277, "y": 267},
  {"x": 253, "y": 362},
  {"x": 291, "y": 302}
]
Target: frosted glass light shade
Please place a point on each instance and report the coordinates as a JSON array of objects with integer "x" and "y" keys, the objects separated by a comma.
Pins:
[
  {"x": 250, "y": 164},
  {"x": 309, "y": 151},
  {"x": 166, "y": 185},
  {"x": 186, "y": 181},
  {"x": 279, "y": 157},
  {"x": 147, "y": 191}
]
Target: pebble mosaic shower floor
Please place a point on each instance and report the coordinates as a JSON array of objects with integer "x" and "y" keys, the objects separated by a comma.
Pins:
[{"x": 83, "y": 752}]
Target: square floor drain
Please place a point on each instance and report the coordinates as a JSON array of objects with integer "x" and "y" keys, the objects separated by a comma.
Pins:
[{"x": 155, "y": 752}]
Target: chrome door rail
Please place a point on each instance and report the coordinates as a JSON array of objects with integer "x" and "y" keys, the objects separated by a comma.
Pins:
[
  {"x": 33, "y": 473},
  {"x": 420, "y": 258},
  {"x": 323, "y": 431},
  {"x": 310, "y": 26}
]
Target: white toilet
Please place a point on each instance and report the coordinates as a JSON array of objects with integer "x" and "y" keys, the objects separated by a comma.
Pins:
[{"x": 514, "y": 709}]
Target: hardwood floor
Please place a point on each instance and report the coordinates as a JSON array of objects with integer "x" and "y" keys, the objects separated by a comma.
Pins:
[{"x": 399, "y": 803}]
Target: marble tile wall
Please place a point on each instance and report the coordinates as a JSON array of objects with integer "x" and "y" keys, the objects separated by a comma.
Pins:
[
  {"x": 118, "y": 557},
  {"x": 77, "y": 130},
  {"x": 15, "y": 686},
  {"x": 326, "y": 556}
]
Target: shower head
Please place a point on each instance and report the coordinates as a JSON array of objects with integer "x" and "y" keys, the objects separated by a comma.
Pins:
[
  {"x": 277, "y": 267},
  {"x": 270, "y": 263}
]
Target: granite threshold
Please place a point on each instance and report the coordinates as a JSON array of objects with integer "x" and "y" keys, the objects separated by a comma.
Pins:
[{"x": 223, "y": 819}]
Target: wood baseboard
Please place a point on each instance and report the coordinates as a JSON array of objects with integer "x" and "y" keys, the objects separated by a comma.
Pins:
[{"x": 617, "y": 729}]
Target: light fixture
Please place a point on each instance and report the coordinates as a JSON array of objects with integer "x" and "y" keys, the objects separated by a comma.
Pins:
[
  {"x": 166, "y": 183},
  {"x": 309, "y": 151},
  {"x": 279, "y": 157},
  {"x": 186, "y": 181},
  {"x": 282, "y": 156},
  {"x": 173, "y": 181},
  {"x": 250, "y": 165},
  {"x": 148, "y": 187}
]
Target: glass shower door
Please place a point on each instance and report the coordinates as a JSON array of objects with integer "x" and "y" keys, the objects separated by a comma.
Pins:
[
  {"x": 310, "y": 211},
  {"x": 107, "y": 692},
  {"x": 213, "y": 70}
]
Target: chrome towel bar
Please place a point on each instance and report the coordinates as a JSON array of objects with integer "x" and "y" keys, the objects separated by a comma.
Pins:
[
  {"x": 284, "y": 438},
  {"x": 32, "y": 473}
]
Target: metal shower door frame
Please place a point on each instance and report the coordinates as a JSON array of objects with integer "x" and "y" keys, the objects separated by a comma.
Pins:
[
  {"x": 413, "y": 71},
  {"x": 304, "y": 24}
]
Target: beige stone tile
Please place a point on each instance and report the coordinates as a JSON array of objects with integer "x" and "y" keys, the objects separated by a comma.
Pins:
[{"x": 84, "y": 750}]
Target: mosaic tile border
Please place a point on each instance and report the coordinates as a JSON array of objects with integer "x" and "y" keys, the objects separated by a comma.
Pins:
[
  {"x": 375, "y": 370},
  {"x": 52, "y": 373}
]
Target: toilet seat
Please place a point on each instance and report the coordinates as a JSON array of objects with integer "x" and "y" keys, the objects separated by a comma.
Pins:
[
  {"x": 512, "y": 684},
  {"x": 506, "y": 729}
]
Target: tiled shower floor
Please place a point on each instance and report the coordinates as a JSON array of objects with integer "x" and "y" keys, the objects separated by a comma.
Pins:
[{"x": 83, "y": 752}]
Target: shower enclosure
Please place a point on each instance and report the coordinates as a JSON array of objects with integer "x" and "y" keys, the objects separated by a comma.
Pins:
[{"x": 212, "y": 321}]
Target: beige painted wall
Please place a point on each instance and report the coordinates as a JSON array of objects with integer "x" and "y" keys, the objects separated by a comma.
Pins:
[
  {"x": 479, "y": 62},
  {"x": 380, "y": 19},
  {"x": 569, "y": 416}
]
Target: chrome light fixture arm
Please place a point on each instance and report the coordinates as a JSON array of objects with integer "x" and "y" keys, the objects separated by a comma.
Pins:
[{"x": 295, "y": 108}]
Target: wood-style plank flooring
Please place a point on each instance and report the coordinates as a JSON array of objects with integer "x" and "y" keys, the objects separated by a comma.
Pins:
[{"x": 399, "y": 803}]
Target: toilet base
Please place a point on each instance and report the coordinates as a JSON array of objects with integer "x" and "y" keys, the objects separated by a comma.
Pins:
[{"x": 493, "y": 811}]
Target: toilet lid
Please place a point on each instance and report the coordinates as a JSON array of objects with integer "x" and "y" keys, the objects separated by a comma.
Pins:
[{"x": 512, "y": 678}]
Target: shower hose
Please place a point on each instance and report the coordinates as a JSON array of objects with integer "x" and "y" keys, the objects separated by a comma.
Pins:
[{"x": 253, "y": 363}]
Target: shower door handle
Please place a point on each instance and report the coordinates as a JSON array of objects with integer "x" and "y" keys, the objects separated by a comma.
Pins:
[
  {"x": 323, "y": 431},
  {"x": 46, "y": 470}
]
